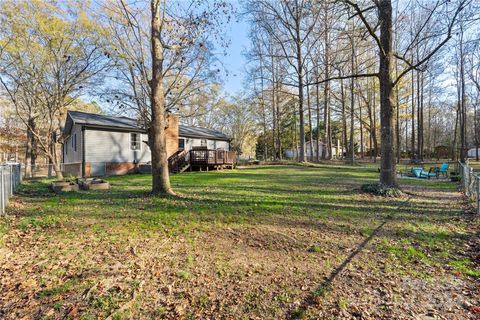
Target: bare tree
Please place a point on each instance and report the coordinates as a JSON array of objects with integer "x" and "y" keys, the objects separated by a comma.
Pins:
[
  {"x": 162, "y": 61},
  {"x": 289, "y": 24},
  {"x": 47, "y": 68},
  {"x": 384, "y": 42}
]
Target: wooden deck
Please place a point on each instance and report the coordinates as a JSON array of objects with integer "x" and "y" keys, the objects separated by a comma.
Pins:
[{"x": 201, "y": 159}]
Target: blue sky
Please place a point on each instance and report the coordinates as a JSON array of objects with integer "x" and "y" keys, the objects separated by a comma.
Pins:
[{"x": 234, "y": 62}]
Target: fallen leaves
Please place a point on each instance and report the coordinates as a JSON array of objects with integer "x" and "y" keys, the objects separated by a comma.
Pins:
[{"x": 233, "y": 270}]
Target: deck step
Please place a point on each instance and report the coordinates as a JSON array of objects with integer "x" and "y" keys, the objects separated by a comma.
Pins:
[
  {"x": 185, "y": 167},
  {"x": 182, "y": 169}
]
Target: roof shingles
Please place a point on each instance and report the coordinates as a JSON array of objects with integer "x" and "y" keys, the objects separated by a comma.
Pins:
[{"x": 91, "y": 119}]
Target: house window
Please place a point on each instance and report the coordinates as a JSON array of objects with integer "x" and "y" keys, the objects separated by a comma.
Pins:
[
  {"x": 203, "y": 142},
  {"x": 73, "y": 143},
  {"x": 181, "y": 143},
  {"x": 135, "y": 143}
]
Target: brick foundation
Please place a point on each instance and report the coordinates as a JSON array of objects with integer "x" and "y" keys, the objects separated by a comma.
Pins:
[
  {"x": 113, "y": 168},
  {"x": 119, "y": 168},
  {"x": 72, "y": 169},
  {"x": 87, "y": 170}
]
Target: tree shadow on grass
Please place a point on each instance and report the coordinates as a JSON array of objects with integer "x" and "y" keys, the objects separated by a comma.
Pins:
[{"x": 321, "y": 290}]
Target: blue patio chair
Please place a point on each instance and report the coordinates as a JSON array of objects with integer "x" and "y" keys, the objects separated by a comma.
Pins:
[{"x": 443, "y": 169}]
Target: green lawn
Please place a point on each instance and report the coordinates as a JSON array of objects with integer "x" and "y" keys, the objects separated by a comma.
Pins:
[{"x": 268, "y": 242}]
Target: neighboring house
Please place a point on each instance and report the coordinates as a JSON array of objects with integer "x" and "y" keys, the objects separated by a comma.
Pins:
[
  {"x": 97, "y": 145},
  {"x": 472, "y": 153},
  {"x": 336, "y": 152}
]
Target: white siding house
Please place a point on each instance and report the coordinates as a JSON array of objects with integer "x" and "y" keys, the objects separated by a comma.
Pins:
[
  {"x": 96, "y": 145},
  {"x": 72, "y": 149},
  {"x": 115, "y": 146}
]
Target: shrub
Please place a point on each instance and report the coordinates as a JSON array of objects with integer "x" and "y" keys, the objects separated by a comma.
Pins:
[{"x": 380, "y": 190}]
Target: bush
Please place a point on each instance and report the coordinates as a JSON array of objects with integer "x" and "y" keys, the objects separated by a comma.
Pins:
[
  {"x": 380, "y": 190},
  {"x": 455, "y": 178}
]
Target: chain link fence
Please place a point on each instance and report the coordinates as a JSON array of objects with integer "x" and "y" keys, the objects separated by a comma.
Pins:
[
  {"x": 10, "y": 179},
  {"x": 470, "y": 183}
]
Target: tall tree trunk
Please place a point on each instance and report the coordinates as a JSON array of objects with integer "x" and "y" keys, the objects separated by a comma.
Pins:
[
  {"x": 397, "y": 125},
  {"x": 295, "y": 132},
  {"x": 463, "y": 112},
  {"x": 274, "y": 156},
  {"x": 29, "y": 153},
  {"x": 372, "y": 120},
  {"x": 327, "y": 138},
  {"x": 420, "y": 120},
  {"x": 361, "y": 128},
  {"x": 352, "y": 123},
  {"x": 419, "y": 114},
  {"x": 388, "y": 176},
  {"x": 397, "y": 100},
  {"x": 455, "y": 132},
  {"x": 317, "y": 97},
  {"x": 264, "y": 116},
  {"x": 34, "y": 150},
  {"x": 430, "y": 146},
  {"x": 374, "y": 131},
  {"x": 406, "y": 132},
  {"x": 310, "y": 122},
  {"x": 301, "y": 157},
  {"x": 412, "y": 137},
  {"x": 158, "y": 145},
  {"x": 279, "y": 120},
  {"x": 344, "y": 115},
  {"x": 370, "y": 142},
  {"x": 475, "y": 127},
  {"x": 50, "y": 162},
  {"x": 352, "y": 106},
  {"x": 56, "y": 167}
]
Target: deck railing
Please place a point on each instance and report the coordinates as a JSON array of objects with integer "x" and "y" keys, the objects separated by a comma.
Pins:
[{"x": 212, "y": 157}]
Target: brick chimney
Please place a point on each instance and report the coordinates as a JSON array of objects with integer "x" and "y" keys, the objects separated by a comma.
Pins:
[{"x": 172, "y": 134}]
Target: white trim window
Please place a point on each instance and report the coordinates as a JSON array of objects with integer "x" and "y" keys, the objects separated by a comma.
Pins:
[
  {"x": 135, "y": 141},
  {"x": 203, "y": 142},
  {"x": 181, "y": 143}
]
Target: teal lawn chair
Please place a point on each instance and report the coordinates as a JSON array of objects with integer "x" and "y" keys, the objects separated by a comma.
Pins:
[
  {"x": 417, "y": 172},
  {"x": 422, "y": 174},
  {"x": 443, "y": 169}
]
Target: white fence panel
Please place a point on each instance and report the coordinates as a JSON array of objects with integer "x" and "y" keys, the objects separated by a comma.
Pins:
[{"x": 10, "y": 179}]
